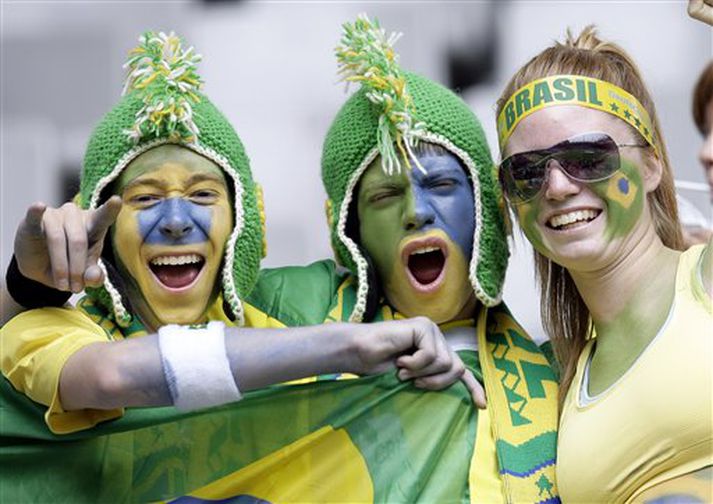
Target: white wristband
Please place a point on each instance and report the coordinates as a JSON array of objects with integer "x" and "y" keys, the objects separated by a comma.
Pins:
[{"x": 196, "y": 367}]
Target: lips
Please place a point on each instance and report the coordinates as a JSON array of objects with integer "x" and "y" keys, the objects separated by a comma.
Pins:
[
  {"x": 177, "y": 271},
  {"x": 425, "y": 261}
]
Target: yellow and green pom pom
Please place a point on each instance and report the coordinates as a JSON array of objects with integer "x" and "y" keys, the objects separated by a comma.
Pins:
[
  {"x": 366, "y": 55},
  {"x": 163, "y": 72}
]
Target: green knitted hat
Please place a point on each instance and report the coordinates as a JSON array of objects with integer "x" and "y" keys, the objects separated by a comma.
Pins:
[
  {"x": 162, "y": 105},
  {"x": 436, "y": 115}
]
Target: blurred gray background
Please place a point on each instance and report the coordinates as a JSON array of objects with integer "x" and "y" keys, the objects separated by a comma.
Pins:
[{"x": 269, "y": 67}]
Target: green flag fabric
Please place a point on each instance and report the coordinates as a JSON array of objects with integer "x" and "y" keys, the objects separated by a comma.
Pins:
[{"x": 372, "y": 439}]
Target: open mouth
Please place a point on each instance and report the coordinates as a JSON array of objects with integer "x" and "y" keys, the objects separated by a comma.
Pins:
[
  {"x": 425, "y": 262},
  {"x": 572, "y": 220},
  {"x": 177, "y": 271}
]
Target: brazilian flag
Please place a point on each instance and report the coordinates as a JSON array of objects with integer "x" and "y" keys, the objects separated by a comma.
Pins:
[{"x": 372, "y": 439}]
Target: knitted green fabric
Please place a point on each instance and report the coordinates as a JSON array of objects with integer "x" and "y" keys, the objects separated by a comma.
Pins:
[
  {"x": 109, "y": 152},
  {"x": 350, "y": 147}
]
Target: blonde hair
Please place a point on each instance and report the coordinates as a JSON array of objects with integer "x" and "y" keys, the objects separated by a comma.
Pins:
[{"x": 564, "y": 315}]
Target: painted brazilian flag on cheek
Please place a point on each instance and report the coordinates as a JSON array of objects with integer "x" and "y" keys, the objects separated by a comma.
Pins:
[{"x": 621, "y": 189}]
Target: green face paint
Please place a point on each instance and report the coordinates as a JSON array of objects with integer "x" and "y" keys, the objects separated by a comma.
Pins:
[
  {"x": 624, "y": 197},
  {"x": 527, "y": 216},
  {"x": 418, "y": 229}
]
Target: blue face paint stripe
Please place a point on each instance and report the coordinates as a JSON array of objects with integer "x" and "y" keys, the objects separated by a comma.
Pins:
[
  {"x": 453, "y": 207},
  {"x": 175, "y": 221}
]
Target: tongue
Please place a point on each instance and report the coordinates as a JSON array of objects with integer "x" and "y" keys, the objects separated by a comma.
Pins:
[
  {"x": 426, "y": 267},
  {"x": 177, "y": 276}
]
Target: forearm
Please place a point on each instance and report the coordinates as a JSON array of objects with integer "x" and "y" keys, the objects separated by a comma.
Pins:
[
  {"x": 114, "y": 375},
  {"x": 262, "y": 357},
  {"x": 130, "y": 372}
]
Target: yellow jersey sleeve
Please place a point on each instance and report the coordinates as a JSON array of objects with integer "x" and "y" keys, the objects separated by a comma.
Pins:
[{"x": 35, "y": 347}]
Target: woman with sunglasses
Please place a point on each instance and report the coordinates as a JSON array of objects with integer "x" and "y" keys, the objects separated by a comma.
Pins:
[{"x": 585, "y": 170}]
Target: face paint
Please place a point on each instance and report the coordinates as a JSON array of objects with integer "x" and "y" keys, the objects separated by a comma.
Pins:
[
  {"x": 175, "y": 221},
  {"x": 624, "y": 196},
  {"x": 418, "y": 229},
  {"x": 170, "y": 235},
  {"x": 622, "y": 199}
]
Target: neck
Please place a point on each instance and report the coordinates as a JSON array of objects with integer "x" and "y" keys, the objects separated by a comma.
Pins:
[{"x": 629, "y": 298}]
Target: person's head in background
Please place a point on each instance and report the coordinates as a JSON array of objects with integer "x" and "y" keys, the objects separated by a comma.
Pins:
[
  {"x": 565, "y": 315},
  {"x": 703, "y": 116}
]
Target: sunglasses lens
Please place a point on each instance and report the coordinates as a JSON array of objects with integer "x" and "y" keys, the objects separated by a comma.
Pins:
[
  {"x": 589, "y": 158},
  {"x": 522, "y": 176}
]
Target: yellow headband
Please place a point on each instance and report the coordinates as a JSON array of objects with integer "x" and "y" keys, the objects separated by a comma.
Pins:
[{"x": 573, "y": 90}]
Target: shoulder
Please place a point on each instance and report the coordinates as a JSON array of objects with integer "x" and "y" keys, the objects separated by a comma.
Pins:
[
  {"x": 297, "y": 295},
  {"x": 50, "y": 318},
  {"x": 695, "y": 272}
]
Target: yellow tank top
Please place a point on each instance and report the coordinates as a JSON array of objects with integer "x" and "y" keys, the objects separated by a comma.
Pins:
[{"x": 654, "y": 425}]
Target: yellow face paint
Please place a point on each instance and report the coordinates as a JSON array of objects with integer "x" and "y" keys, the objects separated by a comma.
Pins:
[
  {"x": 170, "y": 235},
  {"x": 450, "y": 297}
]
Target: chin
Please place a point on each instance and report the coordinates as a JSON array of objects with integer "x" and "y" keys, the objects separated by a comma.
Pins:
[{"x": 440, "y": 307}]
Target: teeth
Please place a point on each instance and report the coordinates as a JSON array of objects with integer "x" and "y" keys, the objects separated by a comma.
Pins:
[
  {"x": 572, "y": 217},
  {"x": 176, "y": 260},
  {"x": 425, "y": 250}
]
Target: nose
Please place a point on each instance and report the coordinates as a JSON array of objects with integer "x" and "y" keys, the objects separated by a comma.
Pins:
[
  {"x": 558, "y": 185},
  {"x": 176, "y": 221},
  {"x": 418, "y": 212}
]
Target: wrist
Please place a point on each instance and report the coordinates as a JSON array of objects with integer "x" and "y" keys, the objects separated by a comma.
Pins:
[{"x": 336, "y": 345}]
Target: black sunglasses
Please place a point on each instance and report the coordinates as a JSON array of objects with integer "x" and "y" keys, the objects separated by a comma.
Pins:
[{"x": 590, "y": 157}]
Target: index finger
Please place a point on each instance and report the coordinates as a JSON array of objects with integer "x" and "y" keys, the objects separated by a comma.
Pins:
[
  {"x": 104, "y": 217},
  {"x": 33, "y": 217},
  {"x": 477, "y": 392}
]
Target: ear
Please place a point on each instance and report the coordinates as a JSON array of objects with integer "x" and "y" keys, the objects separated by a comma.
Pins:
[
  {"x": 261, "y": 210},
  {"x": 652, "y": 171}
]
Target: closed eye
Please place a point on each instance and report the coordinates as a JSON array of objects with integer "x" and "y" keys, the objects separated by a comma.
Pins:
[
  {"x": 382, "y": 196},
  {"x": 145, "y": 200},
  {"x": 443, "y": 183},
  {"x": 204, "y": 197}
]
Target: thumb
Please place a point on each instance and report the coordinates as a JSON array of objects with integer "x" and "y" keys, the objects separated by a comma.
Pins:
[{"x": 477, "y": 392}]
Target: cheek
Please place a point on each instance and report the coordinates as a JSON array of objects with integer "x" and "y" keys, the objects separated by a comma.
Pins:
[
  {"x": 219, "y": 220},
  {"x": 458, "y": 216},
  {"x": 527, "y": 217},
  {"x": 126, "y": 235},
  {"x": 380, "y": 236},
  {"x": 127, "y": 242}
]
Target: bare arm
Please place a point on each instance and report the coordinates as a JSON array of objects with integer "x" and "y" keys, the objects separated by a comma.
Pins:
[{"x": 130, "y": 373}]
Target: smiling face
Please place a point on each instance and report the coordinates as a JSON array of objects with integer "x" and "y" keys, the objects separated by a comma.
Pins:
[
  {"x": 418, "y": 230},
  {"x": 585, "y": 225},
  {"x": 171, "y": 232}
]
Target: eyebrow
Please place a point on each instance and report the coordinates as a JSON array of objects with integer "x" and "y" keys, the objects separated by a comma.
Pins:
[
  {"x": 192, "y": 180},
  {"x": 381, "y": 184}
]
